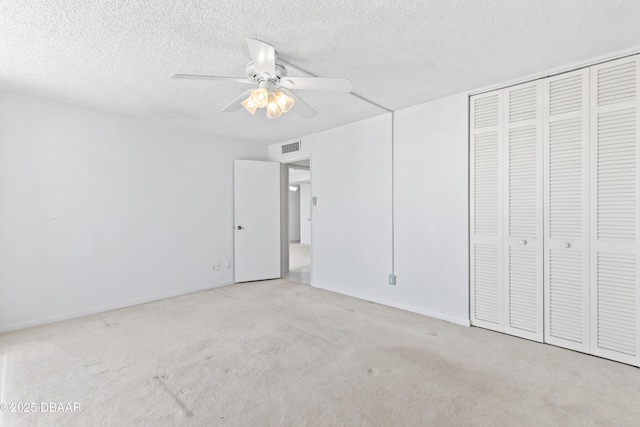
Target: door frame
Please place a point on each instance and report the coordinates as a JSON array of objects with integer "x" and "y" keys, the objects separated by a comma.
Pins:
[{"x": 284, "y": 225}]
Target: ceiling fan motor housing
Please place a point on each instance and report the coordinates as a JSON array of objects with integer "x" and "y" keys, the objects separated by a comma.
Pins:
[{"x": 281, "y": 71}]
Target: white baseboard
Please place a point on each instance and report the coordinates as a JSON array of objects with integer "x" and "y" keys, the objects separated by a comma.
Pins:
[
  {"x": 108, "y": 307},
  {"x": 450, "y": 319}
]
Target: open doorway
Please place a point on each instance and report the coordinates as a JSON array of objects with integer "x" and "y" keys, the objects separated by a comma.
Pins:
[{"x": 299, "y": 222}]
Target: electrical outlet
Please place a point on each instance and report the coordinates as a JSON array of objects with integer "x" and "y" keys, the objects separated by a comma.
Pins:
[
  {"x": 216, "y": 266},
  {"x": 227, "y": 264}
]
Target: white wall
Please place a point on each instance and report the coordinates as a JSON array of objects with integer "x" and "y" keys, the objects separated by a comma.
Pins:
[
  {"x": 352, "y": 224},
  {"x": 98, "y": 211},
  {"x": 431, "y": 207},
  {"x": 294, "y": 215}
]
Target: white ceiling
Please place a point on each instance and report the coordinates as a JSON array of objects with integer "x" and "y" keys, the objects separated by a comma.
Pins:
[{"x": 117, "y": 55}]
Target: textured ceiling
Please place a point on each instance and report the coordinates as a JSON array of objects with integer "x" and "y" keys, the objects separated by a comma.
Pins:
[{"x": 117, "y": 55}]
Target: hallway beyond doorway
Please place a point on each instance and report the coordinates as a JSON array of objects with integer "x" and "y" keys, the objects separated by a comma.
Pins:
[{"x": 299, "y": 263}]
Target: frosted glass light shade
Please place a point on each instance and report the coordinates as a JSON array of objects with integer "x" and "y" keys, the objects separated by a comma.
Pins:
[
  {"x": 273, "y": 110},
  {"x": 260, "y": 97},
  {"x": 249, "y": 105},
  {"x": 284, "y": 101}
]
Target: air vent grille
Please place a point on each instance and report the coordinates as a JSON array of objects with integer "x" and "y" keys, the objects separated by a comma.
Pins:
[{"x": 291, "y": 148}]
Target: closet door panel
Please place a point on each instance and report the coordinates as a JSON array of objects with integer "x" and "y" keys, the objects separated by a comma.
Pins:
[
  {"x": 614, "y": 211},
  {"x": 566, "y": 215},
  {"x": 486, "y": 211},
  {"x": 522, "y": 153}
]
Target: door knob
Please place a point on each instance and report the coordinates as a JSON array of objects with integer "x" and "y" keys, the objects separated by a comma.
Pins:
[
  {"x": 566, "y": 245},
  {"x": 239, "y": 227},
  {"x": 523, "y": 242}
]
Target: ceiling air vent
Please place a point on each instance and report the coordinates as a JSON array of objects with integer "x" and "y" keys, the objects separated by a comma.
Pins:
[{"x": 290, "y": 148}]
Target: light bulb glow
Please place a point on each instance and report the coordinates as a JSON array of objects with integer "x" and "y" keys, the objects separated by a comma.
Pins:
[
  {"x": 249, "y": 105},
  {"x": 273, "y": 110},
  {"x": 284, "y": 101},
  {"x": 260, "y": 97}
]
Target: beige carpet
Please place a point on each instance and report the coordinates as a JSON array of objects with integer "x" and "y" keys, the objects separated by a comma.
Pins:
[
  {"x": 299, "y": 256},
  {"x": 278, "y": 353}
]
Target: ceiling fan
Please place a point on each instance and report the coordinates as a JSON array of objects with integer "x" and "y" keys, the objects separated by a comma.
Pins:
[{"x": 274, "y": 91}]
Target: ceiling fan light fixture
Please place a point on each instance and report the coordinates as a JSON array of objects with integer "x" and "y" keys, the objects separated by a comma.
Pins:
[
  {"x": 260, "y": 97},
  {"x": 273, "y": 110},
  {"x": 249, "y": 105},
  {"x": 284, "y": 101}
]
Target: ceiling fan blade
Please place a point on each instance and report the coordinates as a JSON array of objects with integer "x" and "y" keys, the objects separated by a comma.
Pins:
[
  {"x": 317, "y": 83},
  {"x": 299, "y": 106},
  {"x": 205, "y": 77},
  {"x": 264, "y": 57},
  {"x": 236, "y": 103}
]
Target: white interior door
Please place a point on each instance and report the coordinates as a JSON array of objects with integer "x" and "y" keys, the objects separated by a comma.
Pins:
[
  {"x": 566, "y": 225},
  {"x": 486, "y": 211},
  {"x": 523, "y": 302},
  {"x": 615, "y": 124},
  {"x": 257, "y": 220}
]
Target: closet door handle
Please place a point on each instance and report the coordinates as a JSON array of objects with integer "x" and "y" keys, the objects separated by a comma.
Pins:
[
  {"x": 523, "y": 242},
  {"x": 566, "y": 245}
]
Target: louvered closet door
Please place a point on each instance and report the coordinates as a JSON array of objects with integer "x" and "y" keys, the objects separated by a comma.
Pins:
[
  {"x": 485, "y": 211},
  {"x": 566, "y": 216},
  {"x": 614, "y": 210},
  {"x": 523, "y": 211}
]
